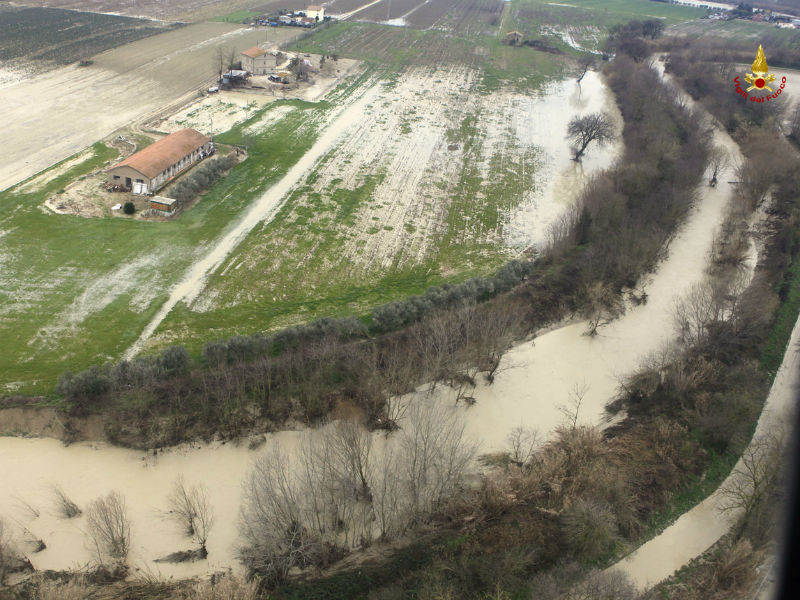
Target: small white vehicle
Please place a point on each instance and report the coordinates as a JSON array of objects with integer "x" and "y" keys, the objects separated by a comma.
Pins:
[{"x": 213, "y": 90}]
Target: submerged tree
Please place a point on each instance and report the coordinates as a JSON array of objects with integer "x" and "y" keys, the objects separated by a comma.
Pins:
[
  {"x": 109, "y": 529},
  {"x": 594, "y": 127}
]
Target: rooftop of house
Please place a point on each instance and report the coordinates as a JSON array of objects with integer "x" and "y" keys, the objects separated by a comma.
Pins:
[
  {"x": 164, "y": 153},
  {"x": 254, "y": 52}
]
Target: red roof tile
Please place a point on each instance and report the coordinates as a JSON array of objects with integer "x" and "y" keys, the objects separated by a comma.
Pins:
[
  {"x": 254, "y": 52},
  {"x": 164, "y": 153}
]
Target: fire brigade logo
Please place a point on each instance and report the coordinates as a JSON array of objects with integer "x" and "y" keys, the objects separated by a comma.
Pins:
[{"x": 759, "y": 81}]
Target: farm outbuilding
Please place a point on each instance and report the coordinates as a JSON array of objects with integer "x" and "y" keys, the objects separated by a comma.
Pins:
[
  {"x": 164, "y": 205},
  {"x": 316, "y": 12},
  {"x": 255, "y": 60},
  {"x": 150, "y": 169}
]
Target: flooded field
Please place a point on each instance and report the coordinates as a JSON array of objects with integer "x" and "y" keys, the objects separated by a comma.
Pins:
[
  {"x": 430, "y": 176},
  {"x": 535, "y": 379}
]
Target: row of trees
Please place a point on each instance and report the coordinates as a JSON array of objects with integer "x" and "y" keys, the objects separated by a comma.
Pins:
[
  {"x": 201, "y": 178},
  {"x": 346, "y": 490}
]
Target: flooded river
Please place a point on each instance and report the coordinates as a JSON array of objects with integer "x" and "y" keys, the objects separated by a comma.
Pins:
[{"x": 534, "y": 380}]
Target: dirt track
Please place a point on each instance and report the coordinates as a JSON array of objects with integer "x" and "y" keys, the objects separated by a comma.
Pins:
[{"x": 52, "y": 116}]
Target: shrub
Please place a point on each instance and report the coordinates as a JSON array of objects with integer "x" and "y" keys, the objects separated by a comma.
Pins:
[
  {"x": 129, "y": 208},
  {"x": 590, "y": 528}
]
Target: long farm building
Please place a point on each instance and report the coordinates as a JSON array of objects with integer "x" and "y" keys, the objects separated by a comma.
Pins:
[{"x": 150, "y": 169}]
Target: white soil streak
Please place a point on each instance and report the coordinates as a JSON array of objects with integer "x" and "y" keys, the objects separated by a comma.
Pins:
[
  {"x": 347, "y": 15},
  {"x": 697, "y": 530},
  {"x": 264, "y": 208}
]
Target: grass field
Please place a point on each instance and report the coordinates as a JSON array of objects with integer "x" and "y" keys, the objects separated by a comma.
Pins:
[
  {"x": 238, "y": 16},
  {"x": 81, "y": 290},
  {"x": 424, "y": 189}
]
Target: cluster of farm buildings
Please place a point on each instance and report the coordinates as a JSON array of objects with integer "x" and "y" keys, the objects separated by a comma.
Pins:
[
  {"x": 719, "y": 11},
  {"x": 150, "y": 169},
  {"x": 302, "y": 18}
]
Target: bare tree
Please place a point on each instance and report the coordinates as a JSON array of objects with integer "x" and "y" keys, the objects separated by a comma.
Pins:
[
  {"x": 109, "y": 529},
  {"x": 586, "y": 62},
  {"x": 351, "y": 444},
  {"x": 602, "y": 305},
  {"x": 223, "y": 59},
  {"x": 594, "y": 127},
  {"x": 65, "y": 507},
  {"x": 590, "y": 528},
  {"x": 718, "y": 159},
  {"x": 386, "y": 501},
  {"x": 434, "y": 454},
  {"x": 218, "y": 62},
  {"x": 696, "y": 312},
  {"x": 495, "y": 329},
  {"x": 224, "y": 587},
  {"x": 190, "y": 508},
  {"x": 10, "y": 557},
  {"x": 522, "y": 444},
  {"x": 754, "y": 477},
  {"x": 571, "y": 411}
]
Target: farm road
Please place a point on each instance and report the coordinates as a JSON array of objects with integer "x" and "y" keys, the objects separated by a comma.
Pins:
[
  {"x": 262, "y": 209},
  {"x": 54, "y": 115}
]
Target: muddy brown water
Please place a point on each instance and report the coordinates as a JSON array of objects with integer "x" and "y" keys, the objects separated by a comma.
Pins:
[{"x": 535, "y": 380}]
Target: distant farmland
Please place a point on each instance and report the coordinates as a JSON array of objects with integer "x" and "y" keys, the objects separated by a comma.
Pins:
[{"x": 63, "y": 36}]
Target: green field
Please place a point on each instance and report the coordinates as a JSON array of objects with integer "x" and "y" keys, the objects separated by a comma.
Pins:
[
  {"x": 238, "y": 16},
  {"x": 76, "y": 292}
]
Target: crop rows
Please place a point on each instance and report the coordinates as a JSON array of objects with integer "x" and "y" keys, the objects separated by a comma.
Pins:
[{"x": 63, "y": 36}]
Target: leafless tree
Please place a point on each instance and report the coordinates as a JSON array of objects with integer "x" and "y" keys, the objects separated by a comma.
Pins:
[
  {"x": 434, "y": 454},
  {"x": 495, "y": 329},
  {"x": 65, "y": 507},
  {"x": 696, "y": 311},
  {"x": 602, "y": 305},
  {"x": 522, "y": 444},
  {"x": 590, "y": 528},
  {"x": 223, "y": 59},
  {"x": 594, "y": 127},
  {"x": 351, "y": 444},
  {"x": 301, "y": 512},
  {"x": 10, "y": 556},
  {"x": 224, "y": 587},
  {"x": 586, "y": 62},
  {"x": 386, "y": 501},
  {"x": 218, "y": 62},
  {"x": 109, "y": 529},
  {"x": 718, "y": 159},
  {"x": 191, "y": 509},
  {"x": 572, "y": 409},
  {"x": 755, "y": 476}
]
